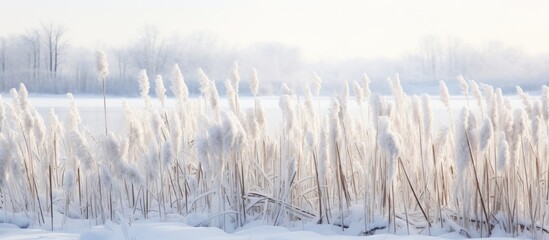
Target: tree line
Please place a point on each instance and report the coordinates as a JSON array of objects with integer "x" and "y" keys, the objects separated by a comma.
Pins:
[{"x": 44, "y": 59}]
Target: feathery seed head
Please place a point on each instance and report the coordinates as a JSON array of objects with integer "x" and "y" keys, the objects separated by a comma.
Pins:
[
  {"x": 254, "y": 82},
  {"x": 102, "y": 65},
  {"x": 359, "y": 92},
  {"x": 179, "y": 88},
  {"x": 444, "y": 95},
  {"x": 214, "y": 95},
  {"x": 486, "y": 133},
  {"x": 144, "y": 86},
  {"x": 503, "y": 156},
  {"x": 160, "y": 90},
  {"x": 204, "y": 82},
  {"x": 23, "y": 97},
  {"x": 367, "y": 82},
  {"x": 235, "y": 77},
  {"x": 463, "y": 85},
  {"x": 316, "y": 84}
]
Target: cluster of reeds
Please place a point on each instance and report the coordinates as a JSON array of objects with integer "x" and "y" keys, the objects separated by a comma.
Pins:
[{"x": 226, "y": 166}]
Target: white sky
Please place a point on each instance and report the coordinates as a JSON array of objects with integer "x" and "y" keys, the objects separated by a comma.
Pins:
[{"x": 323, "y": 29}]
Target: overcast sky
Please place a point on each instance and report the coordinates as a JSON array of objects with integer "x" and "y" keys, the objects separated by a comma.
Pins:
[{"x": 323, "y": 29}]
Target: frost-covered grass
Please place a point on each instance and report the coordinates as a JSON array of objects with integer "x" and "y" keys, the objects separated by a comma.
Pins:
[{"x": 369, "y": 165}]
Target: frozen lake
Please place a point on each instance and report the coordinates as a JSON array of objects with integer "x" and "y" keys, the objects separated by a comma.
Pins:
[{"x": 91, "y": 108}]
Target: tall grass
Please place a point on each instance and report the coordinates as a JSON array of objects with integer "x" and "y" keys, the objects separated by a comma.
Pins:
[
  {"x": 103, "y": 71},
  {"x": 225, "y": 166}
]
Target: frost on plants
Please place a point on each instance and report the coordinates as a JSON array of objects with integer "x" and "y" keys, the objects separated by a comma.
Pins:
[{"x": 395, "y": 163}]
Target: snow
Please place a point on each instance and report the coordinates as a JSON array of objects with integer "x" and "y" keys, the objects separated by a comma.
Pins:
[
  {"x": 177, "y": 227},
  {"x": 17, "y": 220},
  {"x": 145, "y": 230},
  {"x": 179, "y": 230}
]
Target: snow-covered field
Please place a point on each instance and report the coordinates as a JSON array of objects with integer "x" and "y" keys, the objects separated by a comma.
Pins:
[
  {"x": 288, "y": 167},
  {"x": 176, "y": 231},
  {"x": 176, "y": 228}
]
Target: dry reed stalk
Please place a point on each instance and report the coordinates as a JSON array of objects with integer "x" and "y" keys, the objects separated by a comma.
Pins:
[
  {"x": 414, "y": 192},
  {"x": 477, "y": 184},
  {"x": 51, "y": 196}
]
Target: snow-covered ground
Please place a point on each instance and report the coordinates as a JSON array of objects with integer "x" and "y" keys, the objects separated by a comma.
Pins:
[{"x": 178, "y": 229}]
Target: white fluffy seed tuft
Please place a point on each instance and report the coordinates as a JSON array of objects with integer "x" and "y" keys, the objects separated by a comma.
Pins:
[
  {"x": 160, "y": 90},
  {"x": 486, "y": 133},
  {"x": 444, "y": 95},
  {"x": 463, "y": 85},
  {"x": 102, "y": 65},
  {"x": 359, "y": 93},
  {"x": 179, "y": 88},
  {"x": 254, "y": 83}
]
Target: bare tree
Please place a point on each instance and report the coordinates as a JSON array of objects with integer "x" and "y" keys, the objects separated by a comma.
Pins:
[
  {"x": 430, "y": 52},
  {"x": 202, "y": 50},
  {"x": 53, "y": 37},
  {"x": 151, "y": 51},
  {"x": 119, "y": 79},
  {"x": 33, "y": 42},
  {"x": 121, "y": 62},
  {"x": 458, "y": 57}
]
